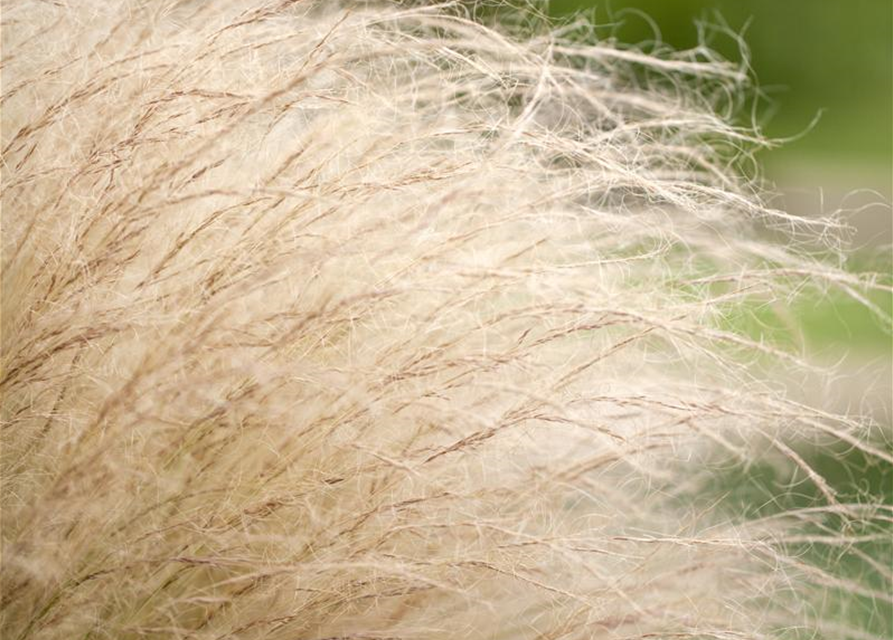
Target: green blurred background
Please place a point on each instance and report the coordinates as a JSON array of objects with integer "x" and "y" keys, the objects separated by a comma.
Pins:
[
  {"x": 809, "y": 57},
  {"x": 824, "y": 70}
]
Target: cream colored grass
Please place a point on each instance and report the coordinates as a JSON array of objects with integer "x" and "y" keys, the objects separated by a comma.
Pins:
[{"x": 373, "y": 322}]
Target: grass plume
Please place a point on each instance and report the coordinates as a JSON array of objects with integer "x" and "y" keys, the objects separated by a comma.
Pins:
[{"x": 370, "y": 321}]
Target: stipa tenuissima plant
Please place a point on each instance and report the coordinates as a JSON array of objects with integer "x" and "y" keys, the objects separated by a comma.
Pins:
[{"x": 368, "y": 321}]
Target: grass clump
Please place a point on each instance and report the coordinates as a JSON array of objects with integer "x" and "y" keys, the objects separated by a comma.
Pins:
[{"x": 325, "y": 321}]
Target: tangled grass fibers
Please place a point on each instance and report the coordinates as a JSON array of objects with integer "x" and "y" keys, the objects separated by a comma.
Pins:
[{"x": 371, "y": 321}]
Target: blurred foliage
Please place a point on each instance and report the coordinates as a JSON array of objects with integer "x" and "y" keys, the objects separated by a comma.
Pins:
[
  {"x": 764, "y": 489},
  {"x": 808, "y": 57},
  {"x": 831, "y": 325},
  {"x": 831, "y": 60}
]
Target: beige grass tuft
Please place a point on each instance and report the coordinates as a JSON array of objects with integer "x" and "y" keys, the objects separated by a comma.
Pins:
[{"x": 374, "y": 322}]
